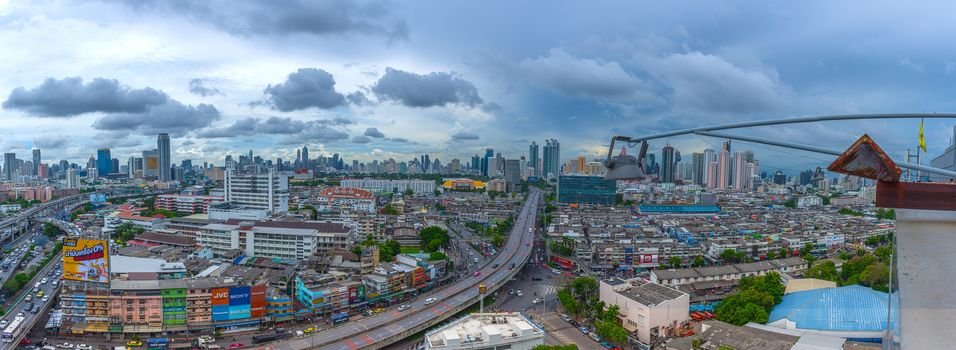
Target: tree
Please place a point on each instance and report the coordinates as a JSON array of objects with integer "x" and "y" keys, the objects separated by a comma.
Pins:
[
  {"x": 556, "y": 347},
  {"x": 699, "y": 261},
  {"x": 675, "y": 262},
  {"x": 732, "y": 256},
  {"x": 784, "y": 252},
  {"x": 825, "y": 271},
  {"x": 433, "y": 238},
  {"x": 435, "y": 256},
  {"x": 884, "y": 252},
  {"x": 389, "y": 210},
  {"x": 806, "y": 249},
  {"x": 876, "y": 276},
  {"x": 408, "y": 192},
  {"x": 772, "y": 255},
  {"x": 498, "y": 240},
  {"x": 611, "y": 331},
  {"x": 50, "y": 230}
]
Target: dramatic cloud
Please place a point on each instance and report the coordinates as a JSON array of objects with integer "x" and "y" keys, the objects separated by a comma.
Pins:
[
  {"x": 399, "y": 139},
  {"x": 269, "y": 126},
  {"x": 198, "y": 87},
  {"x": 323, "y": 17},
  {"x": 70, "y": 97},
  {"x": 172, "y": 117},
  {"x": 429, "y": 90},
  {"x": 306, "y": 88},
  {"x": 51, "y": 141},
  {"x": 464, "y": 135},
  {"x": 316, "y": 132},
  {"x": 242, "y": 127},
  {"x": 358, "y": 98},
  {"x": 373, "y": 132},
  {"x": 709, "y": 83},
  {"x": 573, "y": 76},
  {"x": 361, "y": 139}
]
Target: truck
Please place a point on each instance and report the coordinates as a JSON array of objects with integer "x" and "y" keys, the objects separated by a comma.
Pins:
[{"x": 264, "y": 338}]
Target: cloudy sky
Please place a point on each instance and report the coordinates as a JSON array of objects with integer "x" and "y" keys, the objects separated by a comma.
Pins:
[{"x": 376, "y": 79}]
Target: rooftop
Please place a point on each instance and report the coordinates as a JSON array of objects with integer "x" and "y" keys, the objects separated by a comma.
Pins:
[
  {"x": 477, "y": 330},
  {"x": 850, "y": 308},
  {"x": 651, "y": 293}
]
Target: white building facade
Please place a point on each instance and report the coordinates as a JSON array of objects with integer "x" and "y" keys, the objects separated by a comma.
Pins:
[{"x": 269, "y": 191}]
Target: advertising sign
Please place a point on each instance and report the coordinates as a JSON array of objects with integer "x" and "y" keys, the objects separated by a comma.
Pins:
[
  {"x": 220, "y": 312},
  {"x": 239, "y": 311},
  {"x": 628, "y": 255},
  {"x": 361, "y": 292},
  {"x": 564, "y": 263},
  {"x": 258, "y": 301},
  {"x": 86, "y": 260},
  {"x": 220, "y": 296},
  {"x": 152, "y": 163},
  {"x": 239, "y": 295},
  {"x": 353, "y": 294}
]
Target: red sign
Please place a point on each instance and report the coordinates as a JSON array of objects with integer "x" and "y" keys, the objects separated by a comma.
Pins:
[
  {"x": 220, "y": 296},
  {"x": 564, "y": 263},
  {"x": 257, "y": 301}
]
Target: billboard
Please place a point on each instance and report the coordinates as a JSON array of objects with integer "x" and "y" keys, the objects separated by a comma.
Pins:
[
  {"x": 220, "y": 296},
  {"x": 239, "y": 295},
  {"x": 239, "y": 311},
  {"x": 152, "y": 163},
  {"x": 258, "y": 301},
  {"x": 220, "y": 312},
  {"x": 86, "y": 260},
  {"x": 564, "y": 263}
]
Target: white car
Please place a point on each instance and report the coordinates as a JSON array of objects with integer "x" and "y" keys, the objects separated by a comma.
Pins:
[
  {"x": 45, "y": 299},
  {"x": 404, "y": 307},
  {"x": 65, "y": 346},
  {"x": 3, "y": 323},
  {"x": 536, "y": 300},
  {"x": 84, "y": 347},
  {"x": 429, "y": 301},
  {"x": 518, "y": 293}
]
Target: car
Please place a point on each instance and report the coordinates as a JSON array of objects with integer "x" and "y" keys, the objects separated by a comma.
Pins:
[
  {"x": 64, "y": 345},
  {"x": 594, "y": 336},
  {"x": 535, "y": 278},
  {"x": 134, "y": 343},
  {"x": 566, "y": 318},
  {"x": 404, "y": 307},
  {"x": 84, "y": 347},
  {"x": 29, "y": 297},
  {"x": 45, "y": 298},
  {"x": 527, "y": 244},
  {"x": 299, "y": 333},
  {"x": 309, "y": 330},
  {"x": 207, "y": 338},
  {"x": 26, "y": 341},
  {"x": 606, "y": 345},
  {"x": 518, "y": 293},
  {"x": 20, "y": 314},
  {"x": 583, "y": 330},
  {"x": 511, "y": 292},
  {"x": 3, "y": 323},
  {"x": 40, "y": 294},
  {"x": 379, "y": 310},
  {"x": 236, "y": 345},
  {"x": 495, "y": 266},
  {"x": 476, "y": 273},
  {"x": 536, "y": 300},
  {"x": 368, "y": 312},
  {"x": 429, "y": 301}
]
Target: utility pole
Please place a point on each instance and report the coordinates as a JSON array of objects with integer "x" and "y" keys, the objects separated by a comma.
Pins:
[{"x": 482, "y": 289}]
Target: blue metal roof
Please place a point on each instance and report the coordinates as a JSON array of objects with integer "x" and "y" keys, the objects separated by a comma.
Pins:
[
  {"x": 679, "y": 208},
  {"x": 850, "y": 308}
]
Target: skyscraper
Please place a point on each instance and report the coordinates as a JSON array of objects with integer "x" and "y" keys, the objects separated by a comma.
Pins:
[
  {"x": 533, "y": 159},
  {"x": 667, "y": 164},
  {"x": 104, "y": 163},
  {"x": 723, "y": 169},
  {"x": 9, "y": 164},
  {"x": 552, "y": 158},
  {"x": 72, "y": 181},
  {"x": 489, "y": 153},
  {"x": 698, "y": 168},
  {"x": 740, "y": 171},
  {"x": 36, "y": 161},
  {"x": 305, "y": 157},
  {"x": 513, "y": 174},
  {"x": 710, "y": 156},
  {"x": 162, "y": 145}
]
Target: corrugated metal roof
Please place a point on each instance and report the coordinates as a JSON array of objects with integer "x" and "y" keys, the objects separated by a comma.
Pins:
[{"x": 850, "y": 308}]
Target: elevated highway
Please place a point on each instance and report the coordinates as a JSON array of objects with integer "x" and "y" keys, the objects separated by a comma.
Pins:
[{"x": 386, "y": 328}]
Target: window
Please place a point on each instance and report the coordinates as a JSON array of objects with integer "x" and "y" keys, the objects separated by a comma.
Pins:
[{"x": 641, "y": 320}]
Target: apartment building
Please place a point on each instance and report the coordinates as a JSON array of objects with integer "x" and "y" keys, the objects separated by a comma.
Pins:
[
  {"x": 268, "y": 191},
  {"x": 275, "y": 239},
  {"x": 677, "y": 277},
  {"x": 184, "y": 203}
]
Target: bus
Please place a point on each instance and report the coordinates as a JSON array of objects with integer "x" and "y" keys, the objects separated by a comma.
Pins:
[{"x": 13, "y": 330}]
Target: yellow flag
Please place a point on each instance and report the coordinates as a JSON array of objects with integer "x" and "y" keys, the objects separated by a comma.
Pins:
[{"x": 922, "y": 140}]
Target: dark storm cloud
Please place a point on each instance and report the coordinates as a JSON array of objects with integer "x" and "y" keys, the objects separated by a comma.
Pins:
[
  {"x": 198, "y": 87},
  {"x": 373, "y": 132},
  {"x": 172, "y": 117},
  {"x": 70, "y": 97},
  {"x": 322, "y": 17},
  {"x": 305, "y": 88},
  {"x": 358, "y": 98},
  {"x": 464, "y": 135},
  {"x": 585, "y": 77},
  {"x": 361, "y": 139},
  {"x": 253, "y": 126},
  {"x": 315, "y": 131},
  {"x": 51, "y": 141},
  {"x": 428, "y": 90},
  {"x": 399, "y": 139}
]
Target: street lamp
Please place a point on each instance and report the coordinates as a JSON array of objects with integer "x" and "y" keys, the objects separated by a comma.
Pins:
[{"x": 624, "y": 166}]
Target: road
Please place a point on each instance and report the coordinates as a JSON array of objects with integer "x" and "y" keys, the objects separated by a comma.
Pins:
[
  {"x": 21, "y": 304},
  {"x": 376, "y": 329}
]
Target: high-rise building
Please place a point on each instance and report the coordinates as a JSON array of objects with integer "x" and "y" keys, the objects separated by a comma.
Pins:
[
  {"x": 9, "y": 165},
  {"x": 667, "y": 164},
  {"x": 476, "y": 163},
  {"x": 513, "y": 174},
  {"x": 740, "y": 171},
  {"x": 72, "y": 180},
  {"x": 151, "y": 164},
  {"x": 104, "y": 163},
  {"x": 533, "y": 159},
  {"x": 651, "y": 164},
  {"x": 552, "y": 159},
  {"x": 698, "y": 169},
  {"x": 162, "y": 146},
  {"x": 268, "y": 191},
  {"x": 779, "y": 178},
  {"x": 710, "y": 156},
  {"x": 114, "y": 165},
  {"x": 305, "y": 157},
  {"x": 587, "y": 190},
  {"x": 489, "y": 153},
  {"x": 36, "y": 161},
  {"x": 723, "y": 169}
]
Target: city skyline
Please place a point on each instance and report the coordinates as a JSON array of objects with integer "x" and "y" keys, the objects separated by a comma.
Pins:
[{"x": 396, "y": 87}]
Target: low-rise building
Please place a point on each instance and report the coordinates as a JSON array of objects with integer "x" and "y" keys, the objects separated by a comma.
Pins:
[
  {"x": 186, "y": 203},
  {"x": 275, "y": 239},
  {"x": 649, "y": 309},
  {"x": 486, "y": 331}
]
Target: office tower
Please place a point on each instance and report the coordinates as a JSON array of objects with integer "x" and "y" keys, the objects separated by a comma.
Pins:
[
  {"x": 36, "y": 161},
  {"x": 580, "y": 163},
  {"x": 740, "y": 173},
  {"x": 151, "y": 164},
  {"x": 114, "y": 165},
  {"x": 779, "y": 178},
  {"x": 513, "y": 174},
  {"x": 162, "y": 146},
  {"x": 533, "y": 159},
  {"x": 455, "y": 166},
  {"x": 476, "y": 162},
  {"x": 305, "y": 157},
  {"x": 667, "y": 164},
  {"x": 651, "y": 164},
  {"x": 131, "y": 167},
  {"x": 698, "y": 169},
  {"x": 710, "y": 156},
  {"x": 9, "y": 165},
  {"x": 91, "y": 163},
  {"x": 104, "y": 163},
  {"x": 552, "y": 159},
  {"x": 72, "y": 180},
  {"x": 279, "y": 164},
  {"x": 723, "y": 169},
  {"x": 268, "y": 191},
  {"x": 43, "y": 171}
]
